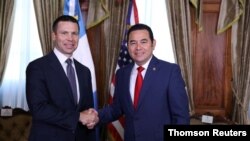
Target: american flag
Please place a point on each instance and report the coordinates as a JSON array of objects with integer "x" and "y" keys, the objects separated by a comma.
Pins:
[{"x": 116, "y": 128}]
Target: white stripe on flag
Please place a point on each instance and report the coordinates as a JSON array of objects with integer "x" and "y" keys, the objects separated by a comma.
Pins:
[
  {"x": 83, "y": 55},
  {"x": 119, "y": 128},
  {"x": 72, "y": 7}
]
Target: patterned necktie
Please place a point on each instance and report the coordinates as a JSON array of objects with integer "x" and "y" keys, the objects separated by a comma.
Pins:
[
  {"x": 138, "y": 84},
  {"x": 72, "y": 78}
]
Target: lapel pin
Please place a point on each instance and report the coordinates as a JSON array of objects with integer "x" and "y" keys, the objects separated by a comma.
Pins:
[{"x": 154, "y": 68}]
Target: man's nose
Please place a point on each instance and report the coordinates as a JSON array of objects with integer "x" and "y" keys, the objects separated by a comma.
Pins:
[
  {"x": 138, "y": 46},
  {"x": 70, "y": 36}
]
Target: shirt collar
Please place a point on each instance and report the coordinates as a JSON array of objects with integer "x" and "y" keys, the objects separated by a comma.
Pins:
[
  {"x": 61, "y": 57},
  {"x": 145, "y": 66}
]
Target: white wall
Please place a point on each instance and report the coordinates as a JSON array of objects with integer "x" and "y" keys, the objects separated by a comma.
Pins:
[{"x": 154, "y": 14}]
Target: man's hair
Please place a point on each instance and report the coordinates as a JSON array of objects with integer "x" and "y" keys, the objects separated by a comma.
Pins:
[
  {"x": 141, "y": 27},
  {"x": 64, "y": 18}
]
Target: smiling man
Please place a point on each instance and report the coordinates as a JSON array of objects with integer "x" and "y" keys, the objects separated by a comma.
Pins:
[
  {"x": 59, "y": 90},
  {"x": 149, "y": 97}
]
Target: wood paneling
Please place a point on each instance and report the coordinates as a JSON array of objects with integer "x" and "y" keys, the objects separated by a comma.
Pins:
[{"x": 211, "y": 65}]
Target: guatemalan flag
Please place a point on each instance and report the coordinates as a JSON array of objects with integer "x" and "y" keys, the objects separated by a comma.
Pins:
[{"x": 82, "y": 53}]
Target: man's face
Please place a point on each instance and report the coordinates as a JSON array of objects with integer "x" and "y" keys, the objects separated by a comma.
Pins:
[
  {"x": 66, "y": 37},
  {"x": 140, "y": 47}
]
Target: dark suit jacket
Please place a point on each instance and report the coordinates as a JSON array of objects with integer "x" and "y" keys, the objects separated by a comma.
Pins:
[
  {"x": 163, "y": 100},
  {"x": 54, "y": 115}
]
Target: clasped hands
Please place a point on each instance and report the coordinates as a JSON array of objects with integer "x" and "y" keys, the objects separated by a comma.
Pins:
[{"x": 89, "y": 118}]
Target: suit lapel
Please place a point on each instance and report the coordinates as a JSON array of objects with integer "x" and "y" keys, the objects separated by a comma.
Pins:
[
  {"x": 60, "y": 74},
  {"x": 148, "y": 79},
  {"x": 80, "y": 75},
  {"x": 127, "y": 98}
]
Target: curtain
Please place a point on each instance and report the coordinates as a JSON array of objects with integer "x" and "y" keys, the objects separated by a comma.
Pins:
[
  {"x": 6, "y": 27},
  {"x": 97, "y": 13},
  {"x": 241, "y": 65},
  {"x": 180, "y": 28},
  {"x": 198, "y": 12},
  {"x": 114, "y": 30},
  {"x": 24, "y": 47},
  {"x": 46, "y": 12},
  {"x": 107, "y": 34},
  {"x": 230, "y": 12}
]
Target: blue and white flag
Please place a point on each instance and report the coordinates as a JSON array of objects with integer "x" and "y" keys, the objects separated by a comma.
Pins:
[{"x": 82, "y": 53}]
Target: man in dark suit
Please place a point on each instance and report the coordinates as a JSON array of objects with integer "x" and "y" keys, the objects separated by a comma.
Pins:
[
  {"x": 162, "y": 98},
  {"x": 58, "y": 114}
]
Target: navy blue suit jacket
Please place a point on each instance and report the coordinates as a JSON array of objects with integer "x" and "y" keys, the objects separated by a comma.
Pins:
[
  {"x": 163, "y": 101},
  {"x": 54, "y": 115}
]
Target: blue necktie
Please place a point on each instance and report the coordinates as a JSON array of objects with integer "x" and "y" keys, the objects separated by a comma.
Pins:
[{"x": 72, "y": 78}]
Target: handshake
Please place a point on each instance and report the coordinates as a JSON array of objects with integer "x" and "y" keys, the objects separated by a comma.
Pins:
[{"x": 89, "y": 118}]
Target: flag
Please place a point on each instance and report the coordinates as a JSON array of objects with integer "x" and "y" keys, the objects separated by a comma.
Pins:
[
  {"x": 116, "y": 128},
  {"x": 82, "y": 53}
]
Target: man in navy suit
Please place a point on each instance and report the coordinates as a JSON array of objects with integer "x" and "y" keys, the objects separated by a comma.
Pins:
[
  {"x": 56, "y": 116},
  {"x": 162, "y": 100}
]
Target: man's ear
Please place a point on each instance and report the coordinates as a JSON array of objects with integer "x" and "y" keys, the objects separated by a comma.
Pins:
[
  {"x": 53, "y": 36},
  {"x": 153, "y": 44}
]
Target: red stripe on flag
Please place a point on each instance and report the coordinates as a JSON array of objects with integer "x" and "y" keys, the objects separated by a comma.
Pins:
[
  {"x": 122, "y": 121},
  {"x": 136, "y": 16},
  {"x": 114, "y": 135}
]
